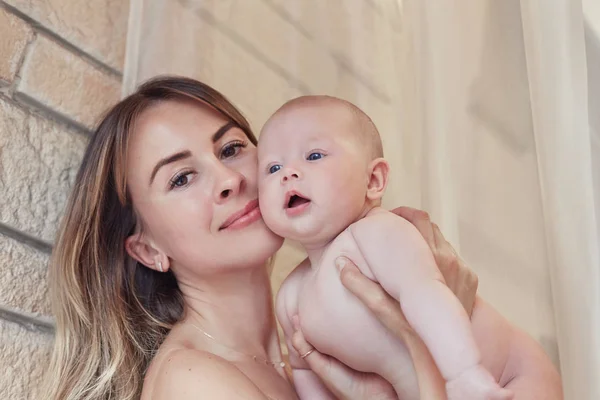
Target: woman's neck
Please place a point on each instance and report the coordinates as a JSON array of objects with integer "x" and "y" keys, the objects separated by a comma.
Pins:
[{"x": 236, "y": 309}]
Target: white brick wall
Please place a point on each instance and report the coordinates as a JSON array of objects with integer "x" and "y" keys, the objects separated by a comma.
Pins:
[
  {"x": 23, "y": 277},
  {"x": 22, "y": 352},
  {"x": 63, "y": 81},
  {"x": 96, "y": 27},
  {"x": 60, "y": 67},
  {"x": 14, "y": 35},
  {"x": 38, "y": 164}
]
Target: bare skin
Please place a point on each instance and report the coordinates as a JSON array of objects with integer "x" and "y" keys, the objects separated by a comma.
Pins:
[
  {"x": 312, "y": 150},
  {"x": 221, "y": 271},
  {"x": 536, "y": 376}
]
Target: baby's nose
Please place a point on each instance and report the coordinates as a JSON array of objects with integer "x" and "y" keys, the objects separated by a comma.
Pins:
[{"x": 290, "y": 174}]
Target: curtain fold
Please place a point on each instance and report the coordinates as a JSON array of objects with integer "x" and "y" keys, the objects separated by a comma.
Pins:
[{"x": 557, "y": 70}]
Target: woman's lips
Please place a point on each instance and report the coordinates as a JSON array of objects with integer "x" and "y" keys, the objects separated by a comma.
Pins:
[{"x": 249, "y": 214}]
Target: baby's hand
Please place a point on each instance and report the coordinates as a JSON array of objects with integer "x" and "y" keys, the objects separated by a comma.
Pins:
[{"x": 476, "y": 383}]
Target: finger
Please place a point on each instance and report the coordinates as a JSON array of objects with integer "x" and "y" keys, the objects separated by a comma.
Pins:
[
  {"x": 442, "y": 257},
  {"x": 440, "y": 240},
  {"x": 303, "y": 348},
  {"x": 443, "y": 246},
  {"x": 461, "y": 280},
  {"x": 469, "y": 295},
  {"x": 296, "y": 322},
  {"x": 332, "y": 373},
  {"x": 420, "y": 219},
  {"x": 405, "y": 212}
]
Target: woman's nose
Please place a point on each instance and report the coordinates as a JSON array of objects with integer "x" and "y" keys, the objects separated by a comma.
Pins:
[
  {"x": 229, "y": 184},
  {"x": 290, "y": 174}
]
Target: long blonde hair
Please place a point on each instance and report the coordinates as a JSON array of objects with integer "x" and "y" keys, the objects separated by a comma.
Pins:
[{"x": 111, "y": 312}]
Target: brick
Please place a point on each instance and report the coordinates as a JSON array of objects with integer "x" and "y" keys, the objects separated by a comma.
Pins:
[
  {"x": 277, "y": 40},
  {"x": 67, "y": 83},
  {"x": 24, "y": 358},
  {"x": 14, "y": 35},
  {"x": 38, "y": 164},
  {"x": 206, "y": 53},
  {"x": 98, "y": 27},
  {"x": 23, "y": 278}
]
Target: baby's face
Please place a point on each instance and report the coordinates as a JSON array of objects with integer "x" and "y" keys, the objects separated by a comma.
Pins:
[{"x": 313, "y": 173}]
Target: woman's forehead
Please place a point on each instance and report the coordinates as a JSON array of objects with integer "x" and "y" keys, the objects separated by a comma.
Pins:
[
  {"x": 169, "y": 127},
  {"x": 179, "y": 116}
]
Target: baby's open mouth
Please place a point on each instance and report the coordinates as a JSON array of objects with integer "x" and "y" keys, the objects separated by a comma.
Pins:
[{"x": 296, "y": 200}]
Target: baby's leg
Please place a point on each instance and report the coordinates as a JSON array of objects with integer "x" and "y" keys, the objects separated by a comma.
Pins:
[
  {"x": 515, "y": 357},
  {"x": 476, "y": 383}
]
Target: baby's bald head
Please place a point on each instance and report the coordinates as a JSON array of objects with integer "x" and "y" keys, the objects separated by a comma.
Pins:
[{"x": 366, "y": 131}]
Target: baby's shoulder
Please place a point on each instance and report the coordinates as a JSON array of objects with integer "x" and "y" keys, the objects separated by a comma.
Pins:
[
  {"x": 381, "y": 228},
  {"x": 378, "y": 219}
]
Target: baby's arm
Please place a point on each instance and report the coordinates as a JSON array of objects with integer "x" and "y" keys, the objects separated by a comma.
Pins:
[
  {"x": 307, "y": 383},
  {"x": 402, "y": 263}
]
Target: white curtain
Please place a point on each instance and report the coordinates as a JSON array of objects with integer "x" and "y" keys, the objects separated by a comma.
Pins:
[
  {"x": 489, "y": 112},
  {"x": 507, "y": 160}
]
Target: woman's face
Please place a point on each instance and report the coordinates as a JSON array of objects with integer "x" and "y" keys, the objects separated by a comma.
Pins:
[{"x": 192, "y": 177}]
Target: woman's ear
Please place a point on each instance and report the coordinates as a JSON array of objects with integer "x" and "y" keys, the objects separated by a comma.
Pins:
[
  {"x": 140, "y": 249},
  {"x": 379, "y": 171}
]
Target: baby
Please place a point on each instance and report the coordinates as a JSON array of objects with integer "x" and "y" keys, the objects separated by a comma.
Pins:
[{"x": 321, "y": 179}]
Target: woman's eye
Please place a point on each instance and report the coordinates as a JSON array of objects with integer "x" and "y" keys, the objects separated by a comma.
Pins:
[
  {"x": 180, "y": 180},
  {"x": 315, "y": 156},
  {"x": 274, "y": 168},
  {"x": 233, "y": 149}
]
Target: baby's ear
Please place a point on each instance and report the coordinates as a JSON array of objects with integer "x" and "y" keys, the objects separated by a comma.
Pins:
[{"x": 379, "y": 171}]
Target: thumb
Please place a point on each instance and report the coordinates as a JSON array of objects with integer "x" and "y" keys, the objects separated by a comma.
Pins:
[{"x": 336, "y": 376}]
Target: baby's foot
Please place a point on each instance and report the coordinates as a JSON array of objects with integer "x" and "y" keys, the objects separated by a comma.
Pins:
[{"x": 476, "y": 383}]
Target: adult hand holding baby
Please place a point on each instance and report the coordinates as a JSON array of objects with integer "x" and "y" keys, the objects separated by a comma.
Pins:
[
  {"x": 346, "y": 383},
  {"x": 459, "y": 278}
]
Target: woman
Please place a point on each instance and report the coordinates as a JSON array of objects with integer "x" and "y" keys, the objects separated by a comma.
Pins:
[{"x": 159, "y": 280}]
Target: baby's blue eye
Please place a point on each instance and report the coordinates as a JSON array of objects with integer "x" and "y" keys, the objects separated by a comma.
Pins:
[
  {"x": 274, "y": 168},
  {"x": 315, "y": 156}
]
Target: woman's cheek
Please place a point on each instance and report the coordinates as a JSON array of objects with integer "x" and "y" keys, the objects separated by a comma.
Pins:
[{"x": 249, "y": 167}]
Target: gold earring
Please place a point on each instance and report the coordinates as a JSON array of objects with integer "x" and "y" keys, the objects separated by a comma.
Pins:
[{"x": 160, "y": 266}]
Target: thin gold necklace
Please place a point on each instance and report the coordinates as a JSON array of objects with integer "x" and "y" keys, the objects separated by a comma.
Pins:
[{"x": 257, "y": 359}]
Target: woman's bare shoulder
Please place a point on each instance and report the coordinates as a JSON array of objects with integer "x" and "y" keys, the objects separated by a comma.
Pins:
[{"x": 192, "y": 374}]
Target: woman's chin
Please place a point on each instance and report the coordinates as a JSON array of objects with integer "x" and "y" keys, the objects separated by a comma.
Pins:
[{"x": 261, "y": 246}]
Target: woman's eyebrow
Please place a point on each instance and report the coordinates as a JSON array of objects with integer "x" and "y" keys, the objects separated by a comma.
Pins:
[
  {"x": 168, "y": 160},
  {"x": 223, "y": 130},
  {"x": 185, "y": 154}
]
